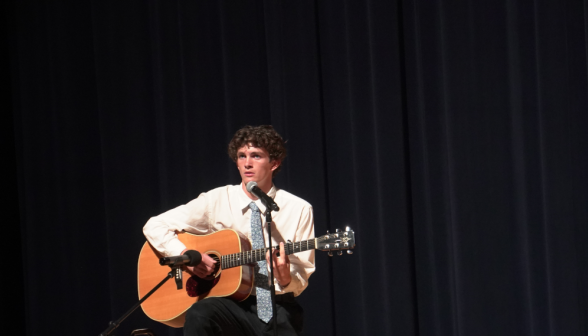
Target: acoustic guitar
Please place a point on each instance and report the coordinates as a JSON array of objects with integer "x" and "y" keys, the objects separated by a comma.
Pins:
[{"x": 233, "y": 276}]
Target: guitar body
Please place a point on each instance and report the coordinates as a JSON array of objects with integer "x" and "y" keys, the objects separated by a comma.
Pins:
[
  {"x": 234, "y": 279},
  {"x": 168, "y": 305}
]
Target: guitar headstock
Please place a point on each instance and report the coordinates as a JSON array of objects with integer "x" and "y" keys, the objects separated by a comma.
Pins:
[{"x": 338, "y": 241}]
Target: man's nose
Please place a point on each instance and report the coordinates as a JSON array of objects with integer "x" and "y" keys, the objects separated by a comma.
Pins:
[{"x": 248, "y": 161}]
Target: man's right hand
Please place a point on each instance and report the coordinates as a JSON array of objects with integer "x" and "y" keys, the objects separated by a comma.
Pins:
[{"x": 205, "y": 267}]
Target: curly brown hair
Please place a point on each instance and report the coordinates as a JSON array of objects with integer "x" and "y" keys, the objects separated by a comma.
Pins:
[{"x": 263, "y": 136}]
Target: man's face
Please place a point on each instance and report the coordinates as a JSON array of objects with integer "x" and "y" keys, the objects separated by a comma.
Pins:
[{"x": 254, "y": 165}]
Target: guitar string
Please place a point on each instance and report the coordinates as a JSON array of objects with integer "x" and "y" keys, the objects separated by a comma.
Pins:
[{"x": 237, "y": 259}]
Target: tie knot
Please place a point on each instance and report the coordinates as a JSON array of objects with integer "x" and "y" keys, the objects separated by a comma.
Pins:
[{"x": 253, "y": 207}]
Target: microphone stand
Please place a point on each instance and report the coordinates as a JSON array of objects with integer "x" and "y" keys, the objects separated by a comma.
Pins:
[
  {"x": 268, "y": 221},
  {"x": 176, "y": 272}
]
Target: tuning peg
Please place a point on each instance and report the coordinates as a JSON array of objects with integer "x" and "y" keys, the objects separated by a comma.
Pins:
[
  {"x": 340, "y": 253},
  {"x": 347, "y": 228},
  {"x": 330, "y": 253},
  {"x": 337, "y": 230},
  {"x": 349, "y": 252},
  {"x": 328, "y": 232}
]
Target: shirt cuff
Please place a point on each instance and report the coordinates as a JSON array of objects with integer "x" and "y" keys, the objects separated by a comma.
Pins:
[{"x": 292, "y": 286}]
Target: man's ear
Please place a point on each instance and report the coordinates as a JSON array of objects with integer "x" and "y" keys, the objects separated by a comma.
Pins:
[{"x": 276, "y": 164}]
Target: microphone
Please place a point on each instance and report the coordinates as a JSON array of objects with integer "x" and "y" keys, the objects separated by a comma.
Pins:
[
  {"x": 265, "y": 199},
  {"x": 190, "y": 258}
]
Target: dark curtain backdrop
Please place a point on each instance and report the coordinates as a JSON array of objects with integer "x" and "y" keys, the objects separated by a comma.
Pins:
[{"x": 451, "y": 136}]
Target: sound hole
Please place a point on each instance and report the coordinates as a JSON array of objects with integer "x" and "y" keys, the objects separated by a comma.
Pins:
[
  {"x": 196, "y": 286},
  {"x": 214, "y": 273}
]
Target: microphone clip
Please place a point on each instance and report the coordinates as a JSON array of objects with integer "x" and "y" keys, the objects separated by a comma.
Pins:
[{"x": 177, "y": 270}]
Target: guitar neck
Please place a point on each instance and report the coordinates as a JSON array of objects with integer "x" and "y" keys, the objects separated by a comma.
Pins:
[{"x": 249, "y": 257}]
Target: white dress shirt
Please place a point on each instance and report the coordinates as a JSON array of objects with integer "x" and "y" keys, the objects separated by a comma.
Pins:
[{"x": 228, "y": 208}]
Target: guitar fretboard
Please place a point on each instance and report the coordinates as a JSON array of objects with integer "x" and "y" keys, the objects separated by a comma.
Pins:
[{"x": 249, "y": 257}]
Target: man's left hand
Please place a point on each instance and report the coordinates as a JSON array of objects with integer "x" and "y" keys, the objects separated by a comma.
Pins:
[{"x": 281, "y": 266}]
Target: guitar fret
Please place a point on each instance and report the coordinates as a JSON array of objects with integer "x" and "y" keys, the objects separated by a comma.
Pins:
[{"x": 251, "y": 256}]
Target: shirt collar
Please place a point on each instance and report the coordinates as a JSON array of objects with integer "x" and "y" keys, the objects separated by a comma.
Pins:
[{"x": 244, "y": 200}]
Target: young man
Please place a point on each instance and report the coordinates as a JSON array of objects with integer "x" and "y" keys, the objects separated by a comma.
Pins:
[{"x": 258, "y": 153}]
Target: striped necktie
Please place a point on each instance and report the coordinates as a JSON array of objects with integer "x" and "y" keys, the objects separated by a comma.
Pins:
[{"x": 264, "y": 300}]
